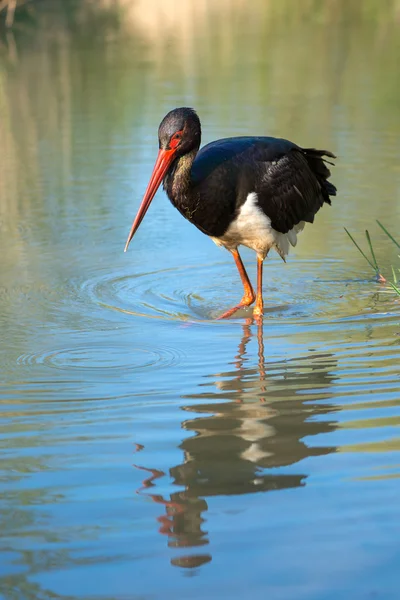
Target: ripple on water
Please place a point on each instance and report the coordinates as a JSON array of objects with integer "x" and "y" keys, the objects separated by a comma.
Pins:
[
  {"x": 99, "y": 358},
  {"x": 156, "y": 294},
  {"x": 201, "y": 292}
]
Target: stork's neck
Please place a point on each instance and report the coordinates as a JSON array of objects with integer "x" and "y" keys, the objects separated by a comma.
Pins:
[{"x": 177, "y": 182}]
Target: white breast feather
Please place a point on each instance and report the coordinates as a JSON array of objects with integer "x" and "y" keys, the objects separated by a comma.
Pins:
[{"x": 252, "y": 228}]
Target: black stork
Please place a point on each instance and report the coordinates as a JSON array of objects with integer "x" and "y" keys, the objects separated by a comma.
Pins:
[{"x": 254, "y": 191}]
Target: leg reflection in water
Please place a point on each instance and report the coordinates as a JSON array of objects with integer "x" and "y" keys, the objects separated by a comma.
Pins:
[{"x": 244, "y": 443}]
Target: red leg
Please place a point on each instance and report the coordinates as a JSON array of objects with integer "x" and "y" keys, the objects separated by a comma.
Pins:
[
  {"x": 261, "y": 359},
  {"x": 249, "y": 295},
  {"x": 258, "y": 309}
]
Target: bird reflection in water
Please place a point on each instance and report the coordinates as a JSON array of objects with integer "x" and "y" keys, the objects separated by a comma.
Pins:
[{"x": 259, "y": 425}]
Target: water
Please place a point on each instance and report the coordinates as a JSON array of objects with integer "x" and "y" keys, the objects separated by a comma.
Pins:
[{"x": 149, "y": 451}]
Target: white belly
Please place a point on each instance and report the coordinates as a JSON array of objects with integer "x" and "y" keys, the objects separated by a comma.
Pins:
[{"x": 252, "y": 228}]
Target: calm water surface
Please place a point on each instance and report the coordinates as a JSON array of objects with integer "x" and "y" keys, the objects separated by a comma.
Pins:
[{"x": 149, "y": 451}]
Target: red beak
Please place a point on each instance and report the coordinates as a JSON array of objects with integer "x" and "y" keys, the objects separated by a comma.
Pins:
[{"x": 163, "y": 162}]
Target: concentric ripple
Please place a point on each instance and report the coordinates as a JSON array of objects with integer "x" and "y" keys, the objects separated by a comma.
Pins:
[
  {"x": 295, "y": 291},
  {"x": 98, "y": 358},
  {"x": 167, "y": 294}
]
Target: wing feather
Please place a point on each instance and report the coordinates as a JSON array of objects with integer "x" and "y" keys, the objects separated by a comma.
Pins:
[
  {"x": 290, "y": 191},
  {"x": 291, "y": 183}
]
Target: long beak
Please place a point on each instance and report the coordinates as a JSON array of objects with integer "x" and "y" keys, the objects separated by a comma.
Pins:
[{"x": 163, "y": 162}]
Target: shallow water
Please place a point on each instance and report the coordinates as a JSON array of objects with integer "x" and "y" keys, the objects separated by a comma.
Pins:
[{"x": 148, "y": 450}]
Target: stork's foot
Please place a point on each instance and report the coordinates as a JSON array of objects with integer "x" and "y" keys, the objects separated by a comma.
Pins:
[
  {"x": 258, "y": 310},
  {"x": 247, "y": 300}
]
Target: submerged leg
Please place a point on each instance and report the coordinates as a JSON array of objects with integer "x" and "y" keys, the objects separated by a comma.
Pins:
[
  {"x": 258, "y": 309},
  {"x": 249, "y": 295}
]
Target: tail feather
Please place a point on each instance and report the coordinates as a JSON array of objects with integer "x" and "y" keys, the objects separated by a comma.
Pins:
[{"x": 317, "y": 162}]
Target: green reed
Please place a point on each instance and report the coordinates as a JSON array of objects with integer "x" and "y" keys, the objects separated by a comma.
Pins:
[{"x": 372, "y": 260}]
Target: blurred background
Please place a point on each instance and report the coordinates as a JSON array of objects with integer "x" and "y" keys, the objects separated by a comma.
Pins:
[
  {"x": 148, "y": 450},
  {"x": 321, "y": 72}
]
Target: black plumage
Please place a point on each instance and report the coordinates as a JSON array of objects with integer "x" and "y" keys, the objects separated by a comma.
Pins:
[{"x": 290, "y": 182}]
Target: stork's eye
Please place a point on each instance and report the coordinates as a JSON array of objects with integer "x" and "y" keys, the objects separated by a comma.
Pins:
[{"x": 175, "y": 139}]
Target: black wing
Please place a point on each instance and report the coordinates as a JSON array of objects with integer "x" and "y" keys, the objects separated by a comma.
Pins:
[
  {"x": 294, "y": 187},
  {"x": 290, "y": 182},
  {"x": 215, "y": 154}
]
